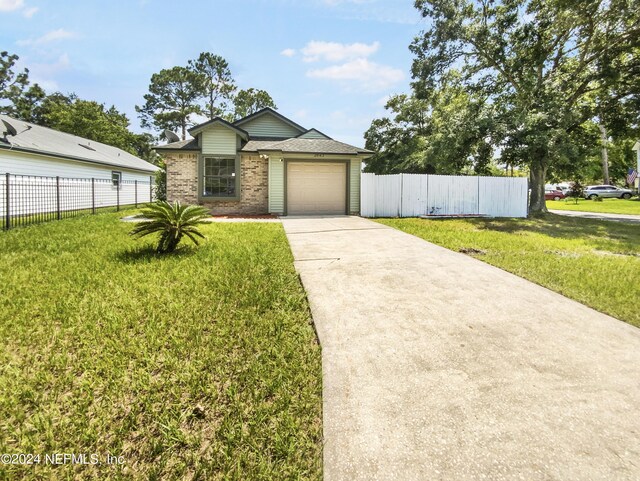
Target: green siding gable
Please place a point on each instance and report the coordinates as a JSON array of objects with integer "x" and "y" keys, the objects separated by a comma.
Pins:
[
  {"x": 268, "y": 125},
  {"x": 354, "y": 186},
  {"x": 218, "y": 140},
  {"x": 313, "y": 134},
  {"x": 276, "y": 186}
]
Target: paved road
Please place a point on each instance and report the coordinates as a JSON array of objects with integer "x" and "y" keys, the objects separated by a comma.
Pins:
[
  {"x": 437, "y": 366},
  {"x": 598, "y": 215}
]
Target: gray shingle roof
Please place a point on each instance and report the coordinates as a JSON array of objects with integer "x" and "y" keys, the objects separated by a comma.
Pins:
[
  {"x": 189, "y": 144},
  {"x": 43, "y": 140},
  {"x": 305, "y": 146}
]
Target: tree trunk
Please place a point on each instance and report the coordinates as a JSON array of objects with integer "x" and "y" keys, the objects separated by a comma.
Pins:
[
  {"x": 537, "y": 179},
  {"x": 184, "y": 131},
  {"x": 605, "y": 154}
]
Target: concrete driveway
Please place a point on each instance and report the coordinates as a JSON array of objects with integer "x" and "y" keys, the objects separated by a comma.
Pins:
[{"x": 439, "y": 367}]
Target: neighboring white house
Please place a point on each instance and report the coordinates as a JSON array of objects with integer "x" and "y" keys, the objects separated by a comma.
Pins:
[{"x": 29, "y": 149}]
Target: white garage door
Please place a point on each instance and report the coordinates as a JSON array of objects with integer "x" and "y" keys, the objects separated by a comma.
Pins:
[{"x": 316, "y": 188}]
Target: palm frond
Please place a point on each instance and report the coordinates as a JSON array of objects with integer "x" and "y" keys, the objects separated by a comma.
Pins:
[{"x": 172, "y": 222}]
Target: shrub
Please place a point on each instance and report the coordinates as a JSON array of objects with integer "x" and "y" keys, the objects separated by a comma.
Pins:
[
  {"x": 576, "y": 191},
  {"x": 161, "y": 182},
  {"x": 172, "y": 222}
]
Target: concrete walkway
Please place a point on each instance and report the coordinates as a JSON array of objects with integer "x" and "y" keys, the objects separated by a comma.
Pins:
[
  {"x": 598, "y": 215},
  {"x": 437, "y": 366}
]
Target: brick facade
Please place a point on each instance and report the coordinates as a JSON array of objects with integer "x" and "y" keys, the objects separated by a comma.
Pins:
[
  {"x": 182, "y": 184},
  {"x": 182, "y": 180}
]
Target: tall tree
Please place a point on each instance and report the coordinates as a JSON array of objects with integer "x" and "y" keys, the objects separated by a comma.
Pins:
[
  {"x": 536, "y": 61},
  {"x": 216, "y": 83},
  {"x": 18, "y": 98},
  {"x": 251, "y": 100},
  {"x": 93, "y": 121},
  {"x": 173, "y": 97},
  {"x": 444, "y": 132},
  {"x": 11, "y": 83}
]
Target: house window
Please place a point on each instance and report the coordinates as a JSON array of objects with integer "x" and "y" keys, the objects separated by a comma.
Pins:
[
  {"x": 219, "y": 177},
  {"x": 116, "y": 178}
]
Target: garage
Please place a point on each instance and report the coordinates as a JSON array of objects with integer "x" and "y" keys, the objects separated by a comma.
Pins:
[{"x": 315, "y": 188}]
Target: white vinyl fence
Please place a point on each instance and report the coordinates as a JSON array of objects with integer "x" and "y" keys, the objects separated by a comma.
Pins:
[{"x": 413, "y": 195}]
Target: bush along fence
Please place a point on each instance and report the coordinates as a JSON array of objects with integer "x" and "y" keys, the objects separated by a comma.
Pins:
[
  {"x": 415, "y": 195},
  {"x": 29, "y": 199}
]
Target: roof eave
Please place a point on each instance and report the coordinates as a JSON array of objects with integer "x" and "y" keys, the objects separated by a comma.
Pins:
[
  {"x": 72, "y": 157},
  {"x": 313, "y": 128},
  {"x": 174, "y": 149},
  {"x": 199, "y": 128},
  {"x": 273, "y": 112}
]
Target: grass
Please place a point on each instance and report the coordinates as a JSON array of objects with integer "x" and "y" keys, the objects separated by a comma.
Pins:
[
  {"x": 594, "y": 262},
  {"x": 200, "y": 365},
  {"x": 607, "y": 206}
]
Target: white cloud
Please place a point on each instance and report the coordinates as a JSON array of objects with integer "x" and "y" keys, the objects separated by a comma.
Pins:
[
  {"x": 360, "y": 73},
  {"x": 18, "y": 5},
  {"x": 288, "y": 52},
  {"x": 43, "y": 73},
  {"x": 30, "y": 12},
  {"x": 337, "y": 52},
  {"x": 52, "y": 36},
  {"x": 11, "y": 5}
]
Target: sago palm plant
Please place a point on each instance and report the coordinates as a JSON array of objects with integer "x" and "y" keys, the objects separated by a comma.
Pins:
[{"x": 172, "y": 222}]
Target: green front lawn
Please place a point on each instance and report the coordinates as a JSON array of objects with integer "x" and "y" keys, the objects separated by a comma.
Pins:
[
  {"x": 594, "y": 262},
  {"x": 201, "y": 365},
  {"x": 607, "y": 206}
]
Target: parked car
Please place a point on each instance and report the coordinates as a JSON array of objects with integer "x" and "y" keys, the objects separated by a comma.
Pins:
[
  {"x": 594, "y": 191},
  {"x": 552, "y": 194}
]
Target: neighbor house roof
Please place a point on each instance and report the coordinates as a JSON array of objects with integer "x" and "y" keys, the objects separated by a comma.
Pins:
[
  {"x": 37, "y": 139},
  {"x": 305, "y": 146}
]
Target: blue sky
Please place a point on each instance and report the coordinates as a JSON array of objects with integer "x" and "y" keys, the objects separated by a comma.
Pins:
[{"x": 328, "y": 64}]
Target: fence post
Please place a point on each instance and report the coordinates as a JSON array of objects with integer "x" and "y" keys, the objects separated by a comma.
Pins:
[
  {"x": 93, "y": 195},
  {"x": 8, "y": 216},
  {"x": 135, "y": 183},
  {"x": 58, "y": 197},
  {"x": 117, "y": 196},
  {"x": 478, "y": 198},
  {"x": 401, "y": 194}
]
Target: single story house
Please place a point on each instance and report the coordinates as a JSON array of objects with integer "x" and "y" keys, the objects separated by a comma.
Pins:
[
  {"x": 30, "y": 149},
  {"x": 264, "y": 163}
]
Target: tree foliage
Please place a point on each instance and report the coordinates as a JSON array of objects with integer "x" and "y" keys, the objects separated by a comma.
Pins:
[
  {"x": 173, "y": 98},
  {"x": 216, "y": 81},
  {"x": 67, "y": 113},
  {"x": 204, "y": 87},
  {"x": 444, "y": 132},
  {"x": 18, "y": 98},
  {"x": 544, "y": 68},
  {"x": 249, "y": 101}
]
